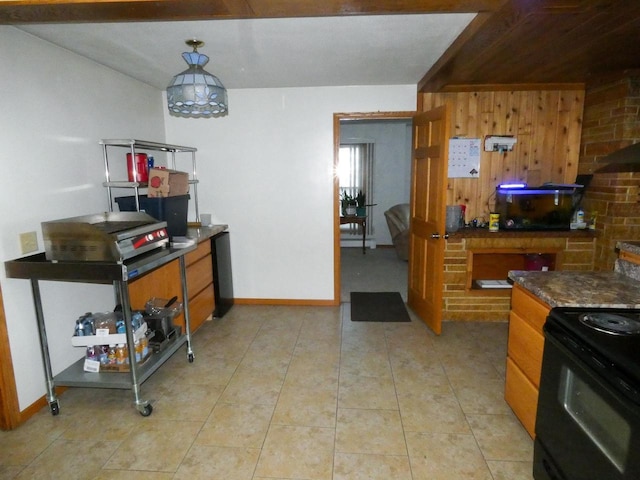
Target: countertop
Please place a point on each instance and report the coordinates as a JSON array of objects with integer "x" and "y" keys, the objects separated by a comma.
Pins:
[
  {"x": 619, "y": 288},
  {"x": 631, "y": 247},
  {"x": 471, "y": 232},
  {"x": 612, "y": 289},
  {"x": 202, "y": 233}
]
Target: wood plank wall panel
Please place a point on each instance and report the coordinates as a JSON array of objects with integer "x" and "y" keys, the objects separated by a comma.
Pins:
[{"x": 546, "y": 123}]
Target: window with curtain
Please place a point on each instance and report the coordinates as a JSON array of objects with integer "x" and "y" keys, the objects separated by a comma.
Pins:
[{"x": 355, "y": 172}]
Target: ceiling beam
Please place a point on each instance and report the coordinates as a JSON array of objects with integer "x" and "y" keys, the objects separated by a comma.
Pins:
[{"x": 14, "y": 12}]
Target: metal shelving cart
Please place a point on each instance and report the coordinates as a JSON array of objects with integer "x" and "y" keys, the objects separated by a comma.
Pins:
[
  {"x": 135, "y": 145},
  {"x": 37, "y": 267}
]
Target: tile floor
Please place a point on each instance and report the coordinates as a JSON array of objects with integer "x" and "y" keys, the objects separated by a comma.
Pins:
[{"x": 294, "y": 393}]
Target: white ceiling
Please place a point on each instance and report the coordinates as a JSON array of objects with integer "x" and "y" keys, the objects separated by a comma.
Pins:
[{"x": 264, "y": 53}]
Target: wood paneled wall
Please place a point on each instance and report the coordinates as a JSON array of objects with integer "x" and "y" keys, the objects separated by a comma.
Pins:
[{"x": 546, "y": 123}]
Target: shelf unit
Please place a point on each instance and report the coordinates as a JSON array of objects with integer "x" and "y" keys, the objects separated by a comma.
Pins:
[
  {"x": 495, "y": 264},
  {"x": 37, "y": 267},
  {"x": 133, "y": 146}
]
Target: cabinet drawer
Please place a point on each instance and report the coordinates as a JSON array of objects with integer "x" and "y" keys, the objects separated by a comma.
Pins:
[
  {"x": 203, "y": 248},
  {"x": 199, "y": 276},
  {"x": 529, "y": 307},
  {"x": 525, "y": 347},
  {"x": 522, "y": 397},
  {"x": 200, "y": 307}
]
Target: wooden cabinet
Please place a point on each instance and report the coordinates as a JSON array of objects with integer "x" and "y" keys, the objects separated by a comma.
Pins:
[
  {"x": 524, "y": 355},
  {"x": 165, "y": 283},
  {"x": 200, "y": 284}
]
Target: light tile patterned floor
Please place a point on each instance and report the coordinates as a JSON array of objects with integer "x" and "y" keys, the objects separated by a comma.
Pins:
[{"x": 294, "y": 393}]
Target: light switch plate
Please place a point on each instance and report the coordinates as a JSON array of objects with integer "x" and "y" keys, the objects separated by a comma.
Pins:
[{"x": 28, "y": 242}]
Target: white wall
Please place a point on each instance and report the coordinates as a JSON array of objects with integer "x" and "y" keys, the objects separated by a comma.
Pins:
[
  {"x": 266, "y": 169},
  {"x": 56, "y": 106},
  {"x": 391, "y": 167}
]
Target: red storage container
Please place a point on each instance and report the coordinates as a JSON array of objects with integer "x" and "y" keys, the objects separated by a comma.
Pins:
[{"x": 141, "y": 166}]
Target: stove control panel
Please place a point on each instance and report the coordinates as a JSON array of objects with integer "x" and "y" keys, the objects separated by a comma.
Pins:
[{"x": 132, "y": 246}]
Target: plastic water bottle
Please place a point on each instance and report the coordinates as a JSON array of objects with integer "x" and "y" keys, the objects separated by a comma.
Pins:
[{"x": 121, "y": 354}]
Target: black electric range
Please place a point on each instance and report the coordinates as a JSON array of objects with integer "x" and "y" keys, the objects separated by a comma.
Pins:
[{"x": 609, "y": 336}]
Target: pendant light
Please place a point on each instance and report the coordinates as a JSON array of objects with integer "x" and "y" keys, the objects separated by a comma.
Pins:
[{"x": 195, "y": 92}]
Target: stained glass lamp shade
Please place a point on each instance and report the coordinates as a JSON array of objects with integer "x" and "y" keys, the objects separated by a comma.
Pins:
[{"x": 195, "y": 92}]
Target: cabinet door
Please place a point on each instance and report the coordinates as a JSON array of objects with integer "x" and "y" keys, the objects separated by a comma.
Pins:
[
  {"x": 200, "y": 290},
  {"x": 163, "y": 282},
  {"x": 522, "y": 397},
  {"x": 201, "y": 307},
  {"x": 530, "y": 308},
  {"x": 525, "y": 347},
  {"x": 199, "y": 276}
]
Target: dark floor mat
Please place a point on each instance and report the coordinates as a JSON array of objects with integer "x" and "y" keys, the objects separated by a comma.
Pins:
[{"x": 378, "y": 307}]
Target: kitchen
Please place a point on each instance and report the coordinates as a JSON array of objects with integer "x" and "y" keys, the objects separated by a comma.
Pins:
[{"x": 74, "y": 121}]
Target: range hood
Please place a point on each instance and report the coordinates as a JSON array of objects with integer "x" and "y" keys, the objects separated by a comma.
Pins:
[{"x": 626, "y": 159}]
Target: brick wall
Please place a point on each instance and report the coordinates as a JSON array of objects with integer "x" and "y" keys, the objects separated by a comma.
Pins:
[
  {"x": 576, "y": 252},
  {"x": 611, "y": 122}
]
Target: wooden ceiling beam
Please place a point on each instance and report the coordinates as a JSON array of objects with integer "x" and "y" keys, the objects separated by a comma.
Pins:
[{"x": 16, "y": 12}]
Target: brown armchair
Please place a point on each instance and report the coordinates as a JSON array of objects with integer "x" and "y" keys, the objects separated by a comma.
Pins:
[{"x": 398, "y": 222}]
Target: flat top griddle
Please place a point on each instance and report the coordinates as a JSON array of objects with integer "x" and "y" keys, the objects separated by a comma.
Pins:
[{"x": 108, "y": 236}]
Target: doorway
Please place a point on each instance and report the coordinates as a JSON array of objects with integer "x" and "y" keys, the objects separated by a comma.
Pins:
[{"x": 356, "y": 128}]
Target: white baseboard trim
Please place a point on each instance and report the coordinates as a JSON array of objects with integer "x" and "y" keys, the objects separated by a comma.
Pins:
[{"x": 357, "y": 243}]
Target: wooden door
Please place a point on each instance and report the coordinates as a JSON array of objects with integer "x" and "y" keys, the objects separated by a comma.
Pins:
[{"x": 428, "y": 187}]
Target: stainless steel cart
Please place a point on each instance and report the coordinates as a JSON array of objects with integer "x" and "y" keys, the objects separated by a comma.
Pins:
[{"x": 37, "y": 267}]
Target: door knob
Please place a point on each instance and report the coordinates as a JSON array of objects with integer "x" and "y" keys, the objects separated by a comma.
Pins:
[{"x": 435, "y": 235}]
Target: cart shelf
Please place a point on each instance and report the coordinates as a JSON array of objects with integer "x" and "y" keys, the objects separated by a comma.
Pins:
[{"x": 75, "y": 376}]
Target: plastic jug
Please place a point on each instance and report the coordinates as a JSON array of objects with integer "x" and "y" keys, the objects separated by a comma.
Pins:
[{"x": 454, "y": 217}]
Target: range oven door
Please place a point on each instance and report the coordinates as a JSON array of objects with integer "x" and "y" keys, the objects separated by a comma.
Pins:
[{"x": 586, "y": 428}]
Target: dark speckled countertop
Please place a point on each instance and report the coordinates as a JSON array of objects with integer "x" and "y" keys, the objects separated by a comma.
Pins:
[
  {"x": 617, "y": 289},
  {"x": 581, "y": 289}
]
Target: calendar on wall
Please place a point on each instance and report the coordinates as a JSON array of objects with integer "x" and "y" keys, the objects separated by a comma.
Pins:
[{"x": 464, "y": 157}]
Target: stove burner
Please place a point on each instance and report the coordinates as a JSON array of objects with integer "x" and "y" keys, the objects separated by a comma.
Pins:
[{"x": 611, "y": 323}]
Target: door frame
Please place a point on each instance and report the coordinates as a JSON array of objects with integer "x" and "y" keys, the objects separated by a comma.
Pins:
[
  {"x": 9, "y": 407},
  {"x": 337, "y": 118}
]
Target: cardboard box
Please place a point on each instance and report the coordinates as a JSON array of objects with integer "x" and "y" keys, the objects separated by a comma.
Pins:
[
  {"x": 167, "y": 183},
  {"x": 123, "y": 367},
  {"x": 113, "y": 339}
]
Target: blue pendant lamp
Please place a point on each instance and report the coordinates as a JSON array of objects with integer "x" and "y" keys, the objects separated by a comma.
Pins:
[{"x": 195, "y": 92}]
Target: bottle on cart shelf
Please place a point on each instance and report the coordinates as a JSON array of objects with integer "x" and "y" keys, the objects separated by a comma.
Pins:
[
  {"x": 121, "y": 354},
  {"x": 138, "y": 350},
  {"x": 91, "y": 353},
  {"x": 111, "y": 356},
  {"x": 79, "y": 331},
  {"x": 144, "y": 347},
  {"x": 103, "y": 354}
]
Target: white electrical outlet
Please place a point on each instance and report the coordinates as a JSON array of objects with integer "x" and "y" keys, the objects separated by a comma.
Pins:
[{"x": 28, "y": 242}]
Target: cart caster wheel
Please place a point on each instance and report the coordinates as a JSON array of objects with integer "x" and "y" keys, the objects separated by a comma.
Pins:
[
  {"x": 55, "y": 408},
  {"x": 146, "y": 411},
  {"x": 191, "y": 358}
]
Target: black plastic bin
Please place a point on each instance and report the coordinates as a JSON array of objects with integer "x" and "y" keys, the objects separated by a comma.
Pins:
[{"x": 172, "y": 210}]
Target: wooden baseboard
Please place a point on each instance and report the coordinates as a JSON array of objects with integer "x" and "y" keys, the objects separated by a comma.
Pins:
[
  {"x": 38, "y": 405},
  {"x": 292, "y": 302}
]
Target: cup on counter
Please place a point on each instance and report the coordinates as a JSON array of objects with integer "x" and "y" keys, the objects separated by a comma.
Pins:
[
  {"x": 494, "y": 222},
  {"x": 205, "y": 219}
]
